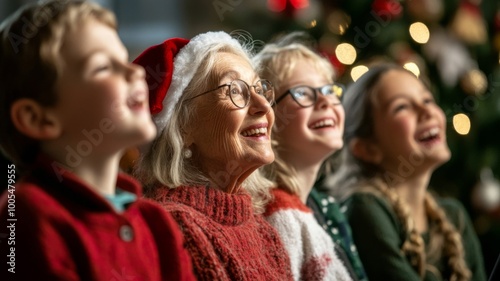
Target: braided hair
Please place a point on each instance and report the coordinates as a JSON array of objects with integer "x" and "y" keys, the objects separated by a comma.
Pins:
[{"x": 355, "y": 175}]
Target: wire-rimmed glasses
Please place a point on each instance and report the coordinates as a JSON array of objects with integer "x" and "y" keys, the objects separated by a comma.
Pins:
[
  {"x": 239, "y": 91},
  {"x": 306, "y": 96}
]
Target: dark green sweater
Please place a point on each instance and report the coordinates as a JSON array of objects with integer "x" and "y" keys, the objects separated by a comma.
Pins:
[{"x": 378, "y": 235}]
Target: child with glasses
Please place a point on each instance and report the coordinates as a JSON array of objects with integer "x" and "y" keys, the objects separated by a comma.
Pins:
[
  {"x": 71, "y": 103},
  {"x": 309, "y": 127}
]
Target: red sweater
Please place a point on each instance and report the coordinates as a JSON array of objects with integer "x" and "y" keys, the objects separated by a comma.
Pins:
[
  {"x": 66, "y": 231},
  {"x": 227, "y": 241}
]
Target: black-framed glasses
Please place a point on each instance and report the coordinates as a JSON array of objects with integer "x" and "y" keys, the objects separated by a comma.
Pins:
[
  {"x": 306, "y": 96},
  {"x": 239, "y": 91}
]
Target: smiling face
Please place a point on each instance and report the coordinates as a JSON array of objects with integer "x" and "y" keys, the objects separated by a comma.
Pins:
[
  {"x": 100, "y": 91},
  {"x": 226, "y": 139},
  {"x": 408, "y": 124},
  {"x": 307, "y": 135}
]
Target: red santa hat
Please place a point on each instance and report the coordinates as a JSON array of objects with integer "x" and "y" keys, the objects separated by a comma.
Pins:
[{"x": 171, "y": 65}]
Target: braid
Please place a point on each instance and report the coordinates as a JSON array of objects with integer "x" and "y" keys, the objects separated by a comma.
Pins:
[
  {"x": 413, "y": 246},
  {"x": 452, "y": 247}
]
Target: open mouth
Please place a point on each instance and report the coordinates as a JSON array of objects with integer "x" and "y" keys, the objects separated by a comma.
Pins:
[
  {"x": 137, "y": 101},
  {"x": 325, "y": 123},
  {"x": 135, "y": 104},
  {"x": 429, "y": 135},
  {"x": 255, "y": 132}
]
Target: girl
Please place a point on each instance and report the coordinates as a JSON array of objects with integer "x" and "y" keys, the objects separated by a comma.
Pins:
[
  {"x": 308, "y": 128},
  {"x": 395, "y": 138}
]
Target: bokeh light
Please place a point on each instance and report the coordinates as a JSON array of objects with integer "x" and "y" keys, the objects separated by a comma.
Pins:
[
  {"x": 346, "y": 53},
  {"x": 419, "y": 32},
  {"x": 358, "y": 71},
  {"x": 461, "y": 124},
  {"x": 412, "y": 67}
]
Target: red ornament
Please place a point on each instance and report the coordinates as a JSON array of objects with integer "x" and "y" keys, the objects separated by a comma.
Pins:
[
  {"x": 496, "y": 21},
  {"x": 471, "y": 8},
  {"x": 337, "y": 65},
  {"x": 289, "y": 7},
  {"x": 276, "y": 5},
  {"x": 299, "y": 4},
  {"x": 388, "y": 7}
]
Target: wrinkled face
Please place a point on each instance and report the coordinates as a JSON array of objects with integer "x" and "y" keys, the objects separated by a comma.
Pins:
[
  {"x": 102, "y": 97},
  {"x": 410, "y": 128},
  {"x": 307, "y": 135},
  {"x": 227, "y": 141}
]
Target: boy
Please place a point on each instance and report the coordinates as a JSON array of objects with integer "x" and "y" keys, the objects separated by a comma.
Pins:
[{"x": 71, "y": 103}]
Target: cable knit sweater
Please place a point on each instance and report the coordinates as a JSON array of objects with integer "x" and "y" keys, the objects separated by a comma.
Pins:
[
  {"x": 227, "y": 241},
  {"x": 310, "y": 248}
]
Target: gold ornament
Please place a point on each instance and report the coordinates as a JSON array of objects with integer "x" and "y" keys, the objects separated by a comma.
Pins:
[
  {"x": 338, "y": 22},
  {"x": 474, "y": 82},
  {"x": 496, "y": 41},
  {"x": 426, "y": 10},
  {"x": 469, "y": 25}
]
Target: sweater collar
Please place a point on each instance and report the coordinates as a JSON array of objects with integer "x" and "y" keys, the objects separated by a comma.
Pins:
[
  {"x": 52, "y": 175},
  {"x": 225, "y": 208}
]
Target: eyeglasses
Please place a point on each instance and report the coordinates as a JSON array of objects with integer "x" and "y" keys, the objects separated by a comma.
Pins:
[
  {"x": 306, "y": 96},
  {"x": 239, "y": 91}
]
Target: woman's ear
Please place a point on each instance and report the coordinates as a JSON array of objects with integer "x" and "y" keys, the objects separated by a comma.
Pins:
[
  {"x": 366, "y": 150},
  {"x": 34, "y": 120}
]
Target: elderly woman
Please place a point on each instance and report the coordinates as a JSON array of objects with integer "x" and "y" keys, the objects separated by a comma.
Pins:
[{"x": 214, "y": 119}]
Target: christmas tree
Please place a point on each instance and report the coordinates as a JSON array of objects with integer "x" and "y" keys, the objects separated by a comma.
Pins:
[{"x": 453, "y": 45}]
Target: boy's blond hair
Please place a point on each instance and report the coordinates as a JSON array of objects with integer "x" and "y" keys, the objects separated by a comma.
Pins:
[{"x": 30, "y": 43}]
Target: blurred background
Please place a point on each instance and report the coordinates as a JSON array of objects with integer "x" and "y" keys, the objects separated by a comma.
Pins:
[{"x": 454, "y": 45}]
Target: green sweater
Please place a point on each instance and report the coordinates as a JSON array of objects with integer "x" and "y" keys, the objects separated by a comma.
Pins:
[{"x": 378, "y": 235}]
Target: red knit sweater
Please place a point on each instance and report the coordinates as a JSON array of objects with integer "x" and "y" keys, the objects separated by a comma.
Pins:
[
  {"x": 66, "y": 231},
  {"x": 227, "y": 241}
]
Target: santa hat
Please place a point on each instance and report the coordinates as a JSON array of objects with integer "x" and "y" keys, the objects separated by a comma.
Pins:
[{"x": 171, "y": 65}]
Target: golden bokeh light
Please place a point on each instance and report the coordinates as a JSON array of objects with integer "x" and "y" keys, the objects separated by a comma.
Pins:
[
  {"x": 413, "y": 68},
  {"x": 461, "y": 123},
  {"x": 419, "y": 32},
  {"x": 358, "y": 71},
  {"x": 346, "y": 53}
]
